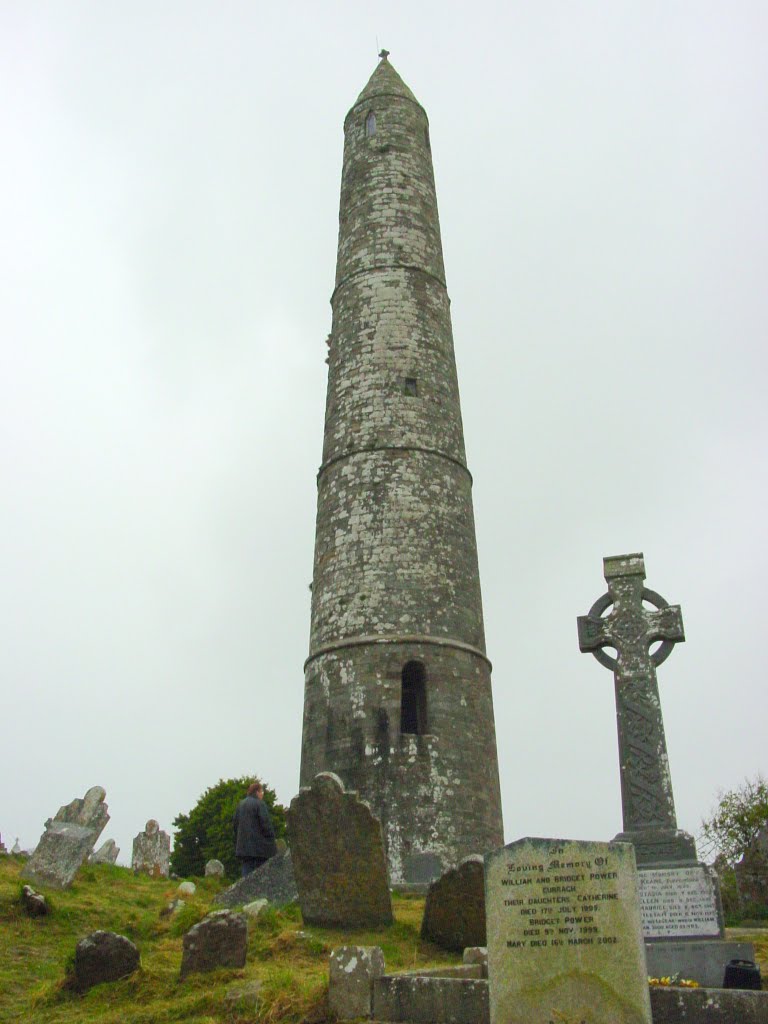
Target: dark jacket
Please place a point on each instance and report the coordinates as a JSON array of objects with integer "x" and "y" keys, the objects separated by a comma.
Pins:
[{"x": 254, "y": 834}]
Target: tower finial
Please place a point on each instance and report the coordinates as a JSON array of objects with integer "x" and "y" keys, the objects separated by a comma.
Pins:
[{"x": 384, "y": 54}]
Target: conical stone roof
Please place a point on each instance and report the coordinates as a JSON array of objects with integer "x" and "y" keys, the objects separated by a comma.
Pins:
[{"x": 385, "y": 81}]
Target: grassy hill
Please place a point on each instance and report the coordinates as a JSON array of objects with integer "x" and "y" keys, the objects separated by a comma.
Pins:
[{"x": 289, "y": 960}]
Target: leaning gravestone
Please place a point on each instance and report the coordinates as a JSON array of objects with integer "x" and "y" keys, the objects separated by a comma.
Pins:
[
  {"x": 152, "y": 851},
  {"x": 272, "y": 881},
  {"x": 106, "y": 853},
  {"x": 679, "y": 897},
  {"x": 338, "y": 857},
  {"x": 454, "y": 912},
  {"x": 564, "y": 935},
  {"x": 68, "y": 840}
]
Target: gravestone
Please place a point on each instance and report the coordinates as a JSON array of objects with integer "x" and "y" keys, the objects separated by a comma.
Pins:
[
  {"x": 454, "y": 911},
  {"x": 2, "y": 847},
  {"x": 68, "y": 840},
  {"x": 214, "y": 869},
  {"x": 338, "y": 857},
  {"x": 679, "y": 897},
  {"x": 106, "y": 853},
  {"x": 152, "y": 851},
  {"x": 752, "y": 872},
  {"x": 219, "y": 940},
  {"x": 272, "y": 881},
  {"x": 103, "y": 956},
  {"x": 564, "y": 934}
]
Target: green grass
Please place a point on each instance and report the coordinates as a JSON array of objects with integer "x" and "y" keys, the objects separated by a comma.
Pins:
[{"x": 290, "y": 961}]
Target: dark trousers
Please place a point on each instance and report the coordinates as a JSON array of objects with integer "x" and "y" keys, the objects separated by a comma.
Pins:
[{"x": 249, "y": 864}]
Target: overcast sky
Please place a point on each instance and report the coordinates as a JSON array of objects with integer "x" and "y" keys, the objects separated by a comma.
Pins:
[{"x": 169, "y": 198}]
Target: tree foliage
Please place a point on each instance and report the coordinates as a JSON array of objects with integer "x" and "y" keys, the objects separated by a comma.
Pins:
[
  {"x": 206, "y": 832},
  {"x": 734, "y": 823}
]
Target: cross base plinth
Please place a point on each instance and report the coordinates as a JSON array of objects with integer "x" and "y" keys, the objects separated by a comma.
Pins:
[{"x": 660, "y": 846}]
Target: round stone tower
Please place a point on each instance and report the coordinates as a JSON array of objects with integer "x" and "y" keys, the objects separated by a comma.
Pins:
[{"x": 397, "y": 695}]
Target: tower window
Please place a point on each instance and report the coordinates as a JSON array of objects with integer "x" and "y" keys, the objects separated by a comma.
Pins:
[
  {"x": 411, "y": 386},
  {"x": 413, "y": 700},
  {"x": 370, "y": 124}
]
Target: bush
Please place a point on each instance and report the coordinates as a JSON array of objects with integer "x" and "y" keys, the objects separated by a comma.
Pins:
[
  {"x": 736, "y": 820},
  {"x": 206, "y": 832}
]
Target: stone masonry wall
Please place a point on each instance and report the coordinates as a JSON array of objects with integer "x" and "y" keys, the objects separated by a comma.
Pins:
[{"x": 395, "y": 574}]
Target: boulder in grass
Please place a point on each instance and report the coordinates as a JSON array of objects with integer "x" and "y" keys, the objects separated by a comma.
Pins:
[
  {"x": 103, "y": 956},
  {"x": 33, "y": 902}
]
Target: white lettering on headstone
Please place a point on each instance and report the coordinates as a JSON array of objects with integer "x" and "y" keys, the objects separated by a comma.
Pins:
[{"x": 678, "y": 903}]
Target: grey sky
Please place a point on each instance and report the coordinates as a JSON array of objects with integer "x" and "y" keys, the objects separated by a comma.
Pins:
[{"x": 169, "y": 195}]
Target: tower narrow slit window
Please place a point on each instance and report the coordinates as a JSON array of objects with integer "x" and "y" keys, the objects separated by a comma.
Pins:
[
  {"x": 411, "y": 387},
  {"x": 413, "y": 699},
  {"x": 370, "y": 124}
]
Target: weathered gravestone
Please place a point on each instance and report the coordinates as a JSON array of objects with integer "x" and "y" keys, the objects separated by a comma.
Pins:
[
  {"x": 272, "y": 881},
  {"x": 106, "y": 853},
  {"x": 219, "y": 940},
  {"x": 103, "y": 956},
  {"x": 454, "y": 912},
  {"x": 752, "y": 872},
  {"x": 152, "y": 851},
  {"x": 2, "y": 847},
  {"x": 338, "y": 857},
  {"x": 68, "y": 840},
  {"x": 214, "y": 869},
  {"x": 679, "y": 897},
  {"x": 564, "y": 934}
]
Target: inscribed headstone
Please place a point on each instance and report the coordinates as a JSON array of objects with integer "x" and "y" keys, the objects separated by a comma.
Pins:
[
  {"x": 454, "y": 911},
  {"x": 152, "y": 851},
  {"x": 338, "y": 857},
  {"x": 680, "y": 903},
  {"x": 68, "y": 840},
  {"x": 564, "y": 934}
]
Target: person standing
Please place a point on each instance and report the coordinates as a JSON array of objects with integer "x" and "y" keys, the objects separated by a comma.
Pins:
[{"x": 254, "y": 832}]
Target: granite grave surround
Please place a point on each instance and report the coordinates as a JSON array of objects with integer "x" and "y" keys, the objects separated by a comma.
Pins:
[
  {"x": 680, "y": 904},
  {"x": 359, "y": 988}
]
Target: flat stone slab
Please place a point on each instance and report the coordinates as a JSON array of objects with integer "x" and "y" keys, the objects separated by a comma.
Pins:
[
  {"x": 338, "y": 857},
  {"x": 564, "y": 934},
  {"x": 454, "y": 912},
  {"x": 419, "y": 999},
  {"x": 68, "y": 840},
  {"x": 708, "y": 1006},
  {"x": 272, "y": 881}
]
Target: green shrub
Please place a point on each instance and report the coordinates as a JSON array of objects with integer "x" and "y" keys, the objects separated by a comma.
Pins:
[{"x": 206, "y": 832}]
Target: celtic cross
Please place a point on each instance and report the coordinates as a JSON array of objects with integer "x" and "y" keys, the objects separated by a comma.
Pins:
[{"x": 648, "y": 806}]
